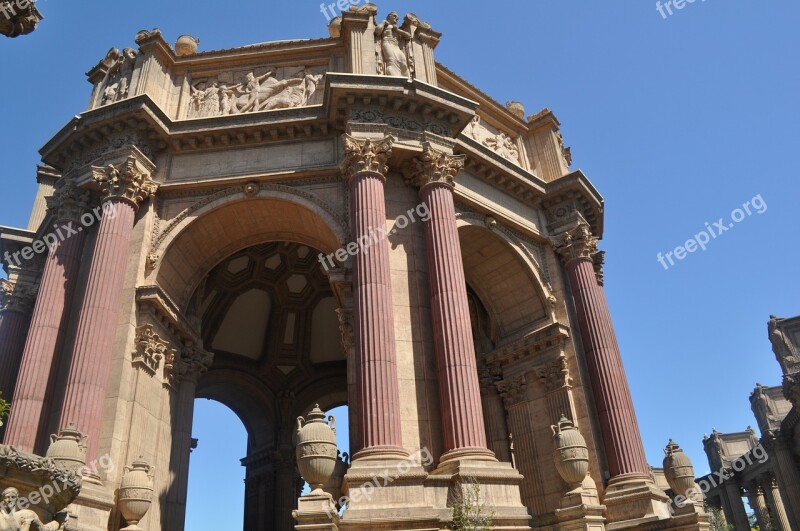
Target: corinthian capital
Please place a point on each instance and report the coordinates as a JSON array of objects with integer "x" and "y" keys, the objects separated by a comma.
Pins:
[
  {"x": 15, "y": 297},
  {"x": 434, "y": 167},
  {"x": 513, "y": 390},
  {"x": 189, "y": 364},
  {"x": 125, "y": 181},
  {"x": 366, "y": 155},
  {"x": 69, "y": 201},
  {"x": 576, "y": 244}
]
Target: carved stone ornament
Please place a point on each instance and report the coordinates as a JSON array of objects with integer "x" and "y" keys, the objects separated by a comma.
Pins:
[
  {"x": 513, "y": 390},
  {"x": 599, "y": 260},
  {"x": 191, "y": 363},
  {"x": 366, "y": 155},
  {"x": 346, "y": 329},
  {"x": 566, "y": 153},
  {"x": 125, "y": 181},
  {"x": 16, "y": 20},
  {"x": 135, "y": 493},
  {"x": 434, "y": 167},
  {"x": 554, "y": 375},
  {"x": 576, "y": 244},
  {"x": 116, "y": 82},
  {"x": 784, "y": 348},
  {"x": 150, "y": 350},
  {"x": 393, "y": 49},
  {"x": 15, "y": 297},
  {"x": 68, "y": 202},
  {"x": 570, "y": 453}
]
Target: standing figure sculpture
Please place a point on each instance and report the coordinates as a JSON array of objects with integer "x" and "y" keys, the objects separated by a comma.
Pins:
[
  {"x": 26, "y": 520},
  {"x": 392, "y": 48}
]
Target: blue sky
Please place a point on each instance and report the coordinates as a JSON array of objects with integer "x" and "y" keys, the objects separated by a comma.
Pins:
[{"x": 677, "y": 121}]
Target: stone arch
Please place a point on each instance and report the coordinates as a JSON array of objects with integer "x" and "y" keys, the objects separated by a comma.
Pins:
[
  {"x": 493, "y": 262},
  {"x": 234, "y": 219}
]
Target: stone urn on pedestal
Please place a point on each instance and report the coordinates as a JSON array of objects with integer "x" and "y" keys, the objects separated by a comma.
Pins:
[
  {"x": 317, "y": 460},
  {"x": 580, "y": 506},
  {"x": 68, "y": 450},
  {"x": 186, "y": 45},
  {"x": 679, "y": 472},
  {"x": 135, "y": 493}
]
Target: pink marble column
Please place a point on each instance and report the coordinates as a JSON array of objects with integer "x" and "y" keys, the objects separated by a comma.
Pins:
[
  {"x": 365, "y": 166},
  {"x": 459, "y": 389},
  {"x": 50, "y": 320},
  {"x": 15, "y": 305},
  {"x": 612, "y": 396},
  {"x": 124, "y": 187}
]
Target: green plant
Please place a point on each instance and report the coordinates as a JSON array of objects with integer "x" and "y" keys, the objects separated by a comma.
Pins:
[
  {"x": 5, "y": 407},
  {"x": 467, "y": 508},
  {"x": 716, "y": 520}
]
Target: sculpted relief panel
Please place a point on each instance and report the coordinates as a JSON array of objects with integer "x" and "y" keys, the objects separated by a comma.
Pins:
[
  {"x": 256, "y": 90},
  {"x": 494, "y": 139}
]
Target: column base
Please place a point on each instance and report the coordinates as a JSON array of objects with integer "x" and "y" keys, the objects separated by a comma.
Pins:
[
  {"x": 387, "y": 494},
  {"x": 381, "y": 453},
  {"x": 316, "y": 512},
  {"x": 499, "y": 489},
  {"x": 633, "y": 501},
  {"x": 472, "y": 454}
]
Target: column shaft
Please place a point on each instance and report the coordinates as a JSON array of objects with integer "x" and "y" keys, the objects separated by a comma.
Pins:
[
  {"x": 40, "y": 360},
  {"x": 618, "y": 424},
  {"x": 175, "y": 509},
  {"x": 459, "y": 388},
  {"x": 780, "y": 519},
  {"x": 376, "y": 358},
  {"x": 13, "y": 328},
  {"x": 91, "y": 355},
  {"x": 738, "y": 514},
  {"x": 755, "y": 495}
]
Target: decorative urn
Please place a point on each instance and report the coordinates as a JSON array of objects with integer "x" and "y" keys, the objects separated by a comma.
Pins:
[
  {"x": 571, "y": 455},
  {"x": 68, "y": 450},
  {"x": 316, "y": 449},
  {"x": 186, "y": 45},
  {"x": 135, "y": 493},
  {"x": 678, "y": 469},
  {"x": 517, "y": 109}
]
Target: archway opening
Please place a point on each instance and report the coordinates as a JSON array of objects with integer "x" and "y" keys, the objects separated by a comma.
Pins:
[{"x": 216, "y": 477}]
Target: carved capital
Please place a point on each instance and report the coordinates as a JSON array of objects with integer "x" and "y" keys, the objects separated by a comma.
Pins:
[
  {"x": 346, "y": 328},
  {"x": 125, "y": 181},
  {"x": 576, "y": 244},
  {"x": 554, "y": 375},
  {"x": 68, "y": 202},
  {"x": 188, "y": 365},
  {"x": 16, "y": 297},
  {"x": 434, "y": 167},
  {"x": 599, "y": 260},
  {"x": 366, "y": 156},
  {"x": 150, "y": 350},
  {"x": 513, "y": 391}
]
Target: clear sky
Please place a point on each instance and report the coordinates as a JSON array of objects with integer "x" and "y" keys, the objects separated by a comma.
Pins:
[{"x": 678, "y": 121}]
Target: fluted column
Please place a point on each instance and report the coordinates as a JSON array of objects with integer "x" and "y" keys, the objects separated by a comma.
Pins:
[
  {"x": 780, "y": 520},
  {"x": 51, "y": 317},
  {"x": 737, "y": 513},
  {"x": 459, "y": 389},
  {"x": 182, "y": 374},
  {"x": 16, "y": 301},
  {"x": 514, "y": 393},
  {"x": 755, "y": 495},
  {"x": 124, "y": 187},
  {"x": 365, "y": 167},
  {"x": 786, "y": 473},
  {"x": 619, "y": 427},
  {"x": 496, "y": 423}
]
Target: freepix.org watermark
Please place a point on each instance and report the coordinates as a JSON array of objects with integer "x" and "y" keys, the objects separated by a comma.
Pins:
[
  {"x": 335, "y": 9},
  {"x": 756, "y": 205},
  {"x": 665, "y": 9},
  {"x": 46, "y": 492},
  {"x": 63, "y": 232},
  {"x": 375, "y": 235},
  {"x": 13, "y": 8}
]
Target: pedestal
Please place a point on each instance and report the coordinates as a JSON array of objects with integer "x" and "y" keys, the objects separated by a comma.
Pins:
[{"x": 317, "y": 513}]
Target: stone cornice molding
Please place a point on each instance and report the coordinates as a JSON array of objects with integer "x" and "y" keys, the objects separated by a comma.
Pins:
[
  {"x": 551, "y": 338},
  {"x": 125, "y": 181},
  {"x": 366, "y": 156},
  {"x": 152, "y": 299},
  {"x": 577, "y": 243},
  {"x": 434, "y": 167},
  {"x": 17, "y": 297},
  {"x": 69, "y": 201}
]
